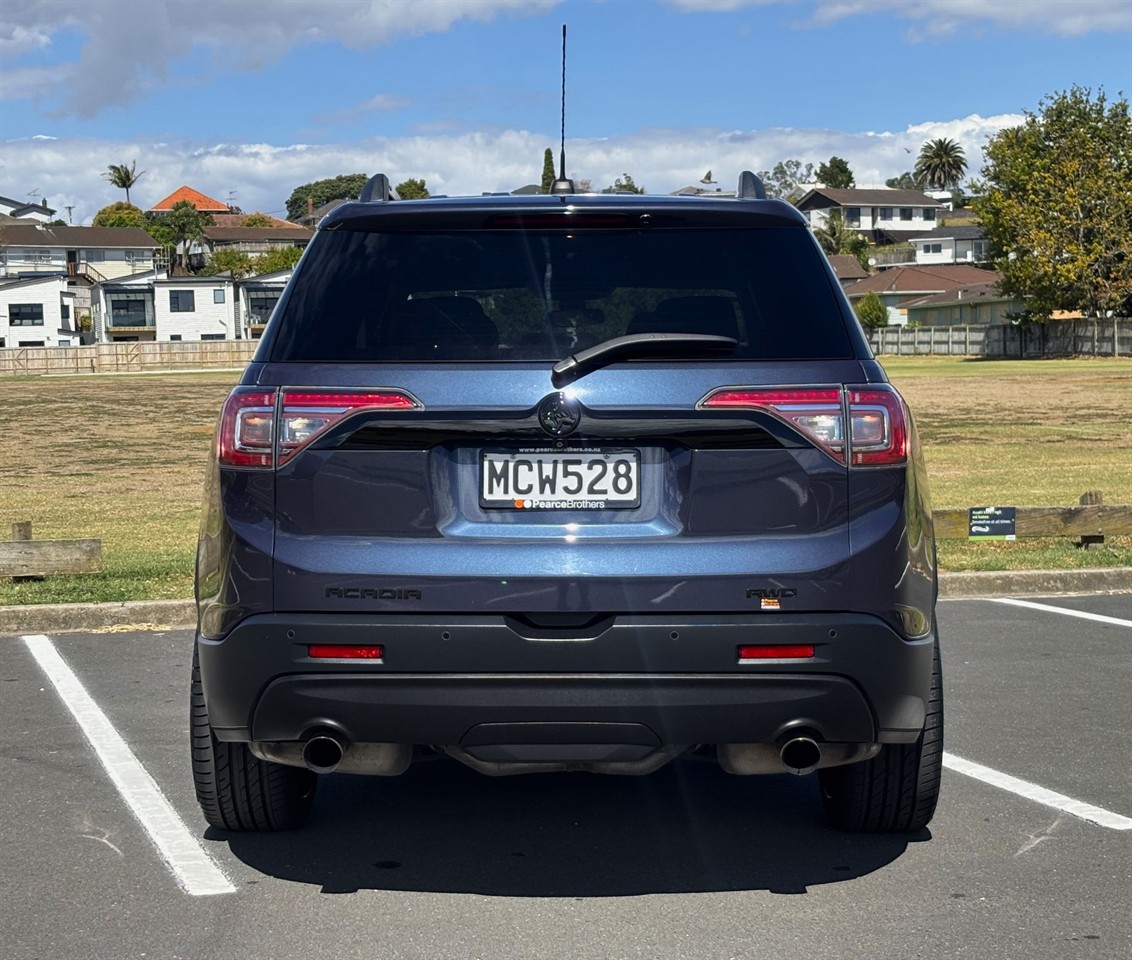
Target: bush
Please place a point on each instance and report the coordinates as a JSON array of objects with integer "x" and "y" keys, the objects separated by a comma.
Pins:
[{"x": 871, "y": 311}]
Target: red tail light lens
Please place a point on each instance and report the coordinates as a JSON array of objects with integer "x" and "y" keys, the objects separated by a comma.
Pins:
[
  {"x": 878, "y": 433},
  {"x": 338, "y": 651},
  {"x": 247, "y": 426},
  {"x": 305, "y": 416},
  {"x": 248, "y": 437},
  {"x": 780, "y": 651}
]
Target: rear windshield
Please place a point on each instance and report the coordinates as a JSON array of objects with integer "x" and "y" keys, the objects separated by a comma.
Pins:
[{"x": 502, "y": 295}]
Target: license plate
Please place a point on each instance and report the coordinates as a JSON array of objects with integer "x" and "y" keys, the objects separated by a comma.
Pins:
[{"x": 598, "y": 479}]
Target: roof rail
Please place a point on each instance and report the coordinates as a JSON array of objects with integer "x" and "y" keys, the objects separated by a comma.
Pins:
[
  {"x": 750, "y": 187},
  {"x": 377, "y": 188}
]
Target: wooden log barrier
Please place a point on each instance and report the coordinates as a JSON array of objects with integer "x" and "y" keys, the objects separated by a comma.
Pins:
[{"x": 23, "y": 557}]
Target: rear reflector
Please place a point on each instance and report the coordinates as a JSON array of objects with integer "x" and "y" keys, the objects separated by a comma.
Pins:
[
  {"x": 337, "y": 651},
  {"x": 780, "y": 651}
]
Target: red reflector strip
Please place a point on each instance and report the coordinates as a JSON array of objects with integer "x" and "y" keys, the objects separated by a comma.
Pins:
[
  {"x": 774, "y": 398},
  {"x": 337, "y": 651},
  {"x": 374, "y": 400},
  {"x": 780, "y": 651}
]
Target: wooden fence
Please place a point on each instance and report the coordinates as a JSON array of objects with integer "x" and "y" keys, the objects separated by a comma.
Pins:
[
  {"x": 133, "y": 357},
  {"x": 1058, "y": 338}
]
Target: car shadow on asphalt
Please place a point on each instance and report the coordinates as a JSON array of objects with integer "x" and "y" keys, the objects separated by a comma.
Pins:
[{"x": 689, "y": 828}]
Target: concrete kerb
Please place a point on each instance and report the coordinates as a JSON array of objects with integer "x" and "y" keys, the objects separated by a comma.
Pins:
[{"x": 142, "y": 615}]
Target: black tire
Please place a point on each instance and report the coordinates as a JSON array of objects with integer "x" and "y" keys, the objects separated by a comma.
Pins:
[
  {"x": 896, "y": 791},
  {"x": 235, "y": 789}
]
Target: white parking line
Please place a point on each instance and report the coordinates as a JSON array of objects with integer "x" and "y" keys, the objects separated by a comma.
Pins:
[
  {"x": 195, "y": 870},
  {"x": 1099, "y": 618},
  {"x": 1031, "y": 791}
]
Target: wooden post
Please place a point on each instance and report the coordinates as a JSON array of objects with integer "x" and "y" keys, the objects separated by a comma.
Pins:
[{"x": 1091, "y": 541}]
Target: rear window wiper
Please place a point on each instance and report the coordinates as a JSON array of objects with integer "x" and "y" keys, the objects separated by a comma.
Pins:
[{"x": 638, "y": 346}]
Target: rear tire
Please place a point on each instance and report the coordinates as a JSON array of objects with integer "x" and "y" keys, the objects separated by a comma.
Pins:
[
  {"x": 896, "y": 791},
  {"x": 235, "y": 789}
]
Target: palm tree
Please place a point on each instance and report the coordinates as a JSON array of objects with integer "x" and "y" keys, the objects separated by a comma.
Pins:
[
  {"x": 836, "y": 236},
  {"x": 941, "y": 164},
  {"x": 123, "y": 177}
]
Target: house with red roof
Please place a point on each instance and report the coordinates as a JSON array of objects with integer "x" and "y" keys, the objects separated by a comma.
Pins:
[{"x": 203, "y": 203}]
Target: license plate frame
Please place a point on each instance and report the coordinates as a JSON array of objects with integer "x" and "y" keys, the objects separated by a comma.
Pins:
[{"x": 503, "y": 488}]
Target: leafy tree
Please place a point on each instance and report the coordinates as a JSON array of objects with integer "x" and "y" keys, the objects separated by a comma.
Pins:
[
  {"x": 548, "y": 174},
  {"x": 186, "y": 224},
  {"x": 257, "y": 219},
  {"x": 836, "y": 174},
  {"x": 624, "y": 184},
  {"x": 281, "y": 258},
  {"x": 227, "y": 260},
  {"x": 412, "y": 190},
  {"x": 582, "y": 185},
  {"x": 903, "y": 182},
  {"x": 346, "y": 186},
  {"x": 156, "y": 226},
  {"x": 1056, "y": 204},
  {"x": 119, "y": 214},
  {"x": 786, "y": 176},
  {"x": 58, "y": 222},
  {"x": 941, "y": 164},
  {"x": 836, "y": 236},
  {"x": 123, "y": 177},
  {"x": 871, "y": 311}
]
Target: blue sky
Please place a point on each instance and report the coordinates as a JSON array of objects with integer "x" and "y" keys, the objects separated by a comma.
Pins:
[{"x": 247, "y": 99}]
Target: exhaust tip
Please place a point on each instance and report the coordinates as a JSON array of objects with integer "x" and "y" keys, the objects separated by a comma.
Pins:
[
  {"x": 800, "y": 755},
  {"x": 323, "y": 753}
]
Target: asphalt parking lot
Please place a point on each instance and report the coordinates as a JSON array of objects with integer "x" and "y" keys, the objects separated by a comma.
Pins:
[{"x": 1030, "y": 853}]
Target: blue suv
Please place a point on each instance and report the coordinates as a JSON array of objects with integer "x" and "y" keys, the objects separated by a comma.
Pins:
[{"x": 566, "y": 483}]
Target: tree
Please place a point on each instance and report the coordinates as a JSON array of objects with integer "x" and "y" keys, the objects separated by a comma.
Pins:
[
  {"x": 583, "y": 185},
  {"x": 346, "y": 186},
  {"x": 1056, "y": 205},
  {"x": 186, "y": 224},
  {"x": 836, "y": 236},
  {"x": 281, "y": 258},
  {"x": 786, "y": 177},
  {"x": 119, "y": 214},
  {"x": 227, "y": 260},
  {"x": 548, "y": 174},
  {"x": 941, "y": 164},
  {"x": 903, "y": 182},
  {"x": 257, "y": 219},
  {"x": 836, "y": 174},
  {"x": 871, "y": 311},
  {"x": 123, "y": 177},
  {"x": 624, "y": 184},
  {"x": 412, "y": 190}
]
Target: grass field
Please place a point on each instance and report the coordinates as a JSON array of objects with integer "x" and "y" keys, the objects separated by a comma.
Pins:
[{"x": 121, "y": 458}]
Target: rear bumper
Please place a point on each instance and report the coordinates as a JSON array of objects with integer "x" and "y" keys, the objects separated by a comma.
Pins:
[{"x": 474, "y": 680}]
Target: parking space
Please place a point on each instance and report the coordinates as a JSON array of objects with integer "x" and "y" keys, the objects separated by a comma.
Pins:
[{"x": 686, "y": 863}]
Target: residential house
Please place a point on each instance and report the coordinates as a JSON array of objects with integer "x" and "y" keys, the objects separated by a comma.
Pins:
[
  {"x": 314, "y": 215},
  {"x": 38, "y": 312},
  {"x": 94, "y": 253},
  {"x": 18, "y": 210},
  {"x": 885, "y": 216},
  {"x": 123, "y": 309},
  {"x": 256, "y": 299},
  {"x": 195, "y": 308},
  {"x": 958, "y": 244},
  {"x": 847, "y": 268},
  {"x": 898, "y": 286},
  {"x": 204, "y": 203},
  {"x": 250, "y": 240},
  {"x": 978, "y": 304}
]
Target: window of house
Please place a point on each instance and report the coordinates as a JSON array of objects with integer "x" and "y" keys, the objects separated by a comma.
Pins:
[
  {"x": 25, "y": 314},
  {"x": 1, "y": 343},
  {"x": 933, "y": 248},
  {"x": 853, "y": 216},
  {"x": 886, "y": 213},
  {"x": 64, "y": 343},
  {"x": 212, "y": 336},
  {"x": 260, "y": 305},
  {"x": 64, "y": 311},
  {"x": 218, "y": 295},
  {"x": 174, "y": 336},
  {"x": 94, "y": 256},
  {"x": 31, "y": 343},
  {"x": 929, "y": 213},
  {"x": 182, "y": 301},
  {"x": 982, "y": 249},
  {"x": 128, "y": 310},
  {"x": 905, "y": 213}
]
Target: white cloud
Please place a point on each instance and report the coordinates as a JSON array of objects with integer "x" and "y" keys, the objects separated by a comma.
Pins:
[
  {"x": 241, "y": 36},
  {"x": 261, "y": 176},
  {"x": 941, "y": 18}
]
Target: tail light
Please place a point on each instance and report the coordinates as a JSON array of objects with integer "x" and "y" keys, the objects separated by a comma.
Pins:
[
  {"x": 248, "y": 434},
  {"x": 878, "y": 426}
]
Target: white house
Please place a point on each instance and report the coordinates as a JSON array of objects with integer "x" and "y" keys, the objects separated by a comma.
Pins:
[
  {"x": 123, "y": 309},
  {"x": 96, "y": 253},
  {"x": 38, "y": 312},
  {"x": 959, "y": 244},
  {"x": 886, "y": 216},
  {"x": 195, "y": 308},
  {"x": 19, "y": 210},
  {"x": 257, "y": 297}
]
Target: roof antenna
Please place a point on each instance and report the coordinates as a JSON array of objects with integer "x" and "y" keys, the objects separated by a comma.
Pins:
[{"x": 563, "y": 186}]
